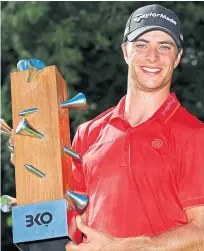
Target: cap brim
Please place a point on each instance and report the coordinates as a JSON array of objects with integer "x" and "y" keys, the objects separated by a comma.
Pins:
[{"x": 140, "y": 31}]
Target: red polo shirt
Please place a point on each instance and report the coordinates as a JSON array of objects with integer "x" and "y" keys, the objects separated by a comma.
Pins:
[{"x": 140, "y": 179}]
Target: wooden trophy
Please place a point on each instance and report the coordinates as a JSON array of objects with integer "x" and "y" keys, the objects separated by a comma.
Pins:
[{"x": 43, "y": 158}]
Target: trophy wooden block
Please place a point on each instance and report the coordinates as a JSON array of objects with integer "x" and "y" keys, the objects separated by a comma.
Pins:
[
  {"x": 43, "y": 158},
  {"x": 44, "y": 95}
]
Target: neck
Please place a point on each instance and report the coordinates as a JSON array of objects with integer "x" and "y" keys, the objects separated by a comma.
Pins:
[{"x": 141, "y": 105}]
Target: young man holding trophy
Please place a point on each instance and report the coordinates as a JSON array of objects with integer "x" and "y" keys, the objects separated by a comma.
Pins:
[{"x": 142, "y": 161}]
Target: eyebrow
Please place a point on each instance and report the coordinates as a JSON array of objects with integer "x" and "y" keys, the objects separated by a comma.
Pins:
[{"x": 159, "y": 42}]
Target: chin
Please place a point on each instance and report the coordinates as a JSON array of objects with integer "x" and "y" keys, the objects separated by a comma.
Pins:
[{"x": 151, "y": 85}]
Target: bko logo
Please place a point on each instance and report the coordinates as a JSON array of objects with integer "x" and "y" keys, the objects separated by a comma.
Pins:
[{"x": 40, "y": 219}]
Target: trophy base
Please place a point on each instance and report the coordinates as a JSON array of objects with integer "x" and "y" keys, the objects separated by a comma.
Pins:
[{"x": 57, "y": 244}]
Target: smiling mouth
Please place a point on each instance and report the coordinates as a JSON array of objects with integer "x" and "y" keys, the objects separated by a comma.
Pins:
[{"x": 151, "y": 70}]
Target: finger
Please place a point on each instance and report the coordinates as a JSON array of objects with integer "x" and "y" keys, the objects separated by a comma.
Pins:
[
  {"x": 142, "y": 237},
  {"x": 84, "y": 228},
  {"x": 13, "y": 201},
  {"x": 11, "y": 148},
  {"x": 12, "y": 134},
  {"x": 142, "y": 240},
  {"x": 71, "y": 247},
  {"x": 12, "y": 159},
  {"x": 83, "y": 217},
  {"x": 10, "y": 141}
]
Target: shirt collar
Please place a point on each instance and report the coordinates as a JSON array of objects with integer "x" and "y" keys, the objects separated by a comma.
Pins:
[
  {"x": 167, "y": 109},
  {"x": 119, "y": 109}
]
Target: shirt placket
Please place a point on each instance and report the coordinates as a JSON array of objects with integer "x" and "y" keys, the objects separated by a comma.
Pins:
[
  {"x": 132, "y": 132},
  {"x": 125, "y": 147}
]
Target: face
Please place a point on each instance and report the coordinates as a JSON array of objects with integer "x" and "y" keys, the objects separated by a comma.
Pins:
[{"x": 151, "y": 60}]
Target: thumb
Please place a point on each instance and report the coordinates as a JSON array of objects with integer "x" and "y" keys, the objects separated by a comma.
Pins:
[
  {"x": 71, "y": 246},
  {"x": 83, "y": 227}
]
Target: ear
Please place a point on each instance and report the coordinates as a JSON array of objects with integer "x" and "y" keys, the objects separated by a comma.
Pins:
[
  {"x": 124, "y": 49},
  {"x": 178, "y": 59}
]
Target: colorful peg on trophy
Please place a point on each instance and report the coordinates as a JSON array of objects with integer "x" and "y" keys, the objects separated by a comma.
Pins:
[
  {"x": 5, "y": 129},
  {"x": 35, "y": 67},
  {"x": 32, "y": 65},
  {"x": 35, "y": 64},
  {"x": 28, "y": 112},
  {"x": 22, "y": 65},
  {"x": 78, "y": 202},
  {"x": 11, "y": 148},
  {"x": 77, "y": 102},
  {"x": 34, "y": 171},
  {"x": 6, "y": 203},
  {"x": 71, "y": 153},
  {"x": 24, "y": 128}
]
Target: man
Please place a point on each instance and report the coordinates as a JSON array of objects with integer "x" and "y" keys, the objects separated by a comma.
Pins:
[{"x": 143, "y": 163}]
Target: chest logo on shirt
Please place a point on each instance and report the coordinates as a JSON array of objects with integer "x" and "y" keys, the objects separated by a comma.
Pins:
[{"x": 157, "y": 143}]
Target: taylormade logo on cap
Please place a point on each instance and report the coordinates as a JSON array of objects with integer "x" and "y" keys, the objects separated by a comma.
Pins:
[
  {"x": 150, "y": 18},
  {"x": 139, "y": 17}
]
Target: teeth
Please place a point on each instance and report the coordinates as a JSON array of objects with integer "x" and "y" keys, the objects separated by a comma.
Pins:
[{"x": 151, "y": 69}]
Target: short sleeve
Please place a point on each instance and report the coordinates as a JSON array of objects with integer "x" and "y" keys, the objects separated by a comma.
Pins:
[
  {"x": 78, "y": 182},
  {"x": 77, "y": 168},
  {"x": 191, "y": 178}
]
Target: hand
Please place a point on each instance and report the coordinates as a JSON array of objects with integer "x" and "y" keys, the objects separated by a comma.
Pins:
[
  {"x": 96, "y": 240},
  {"x": 12, "y": 158},
  {"x": 10, "y": 143}
]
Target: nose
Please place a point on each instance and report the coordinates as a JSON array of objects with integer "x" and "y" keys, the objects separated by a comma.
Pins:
[{"x": 152, "y": 55}]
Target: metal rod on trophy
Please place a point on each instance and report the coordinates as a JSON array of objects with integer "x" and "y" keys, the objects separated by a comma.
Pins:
[{"x": 43, "y": 157}]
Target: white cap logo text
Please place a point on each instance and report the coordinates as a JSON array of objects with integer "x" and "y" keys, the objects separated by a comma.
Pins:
[{"x": 139, "y": 17}]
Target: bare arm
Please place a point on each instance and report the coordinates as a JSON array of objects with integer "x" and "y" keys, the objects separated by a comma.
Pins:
[{"x": 189, "y": 237}]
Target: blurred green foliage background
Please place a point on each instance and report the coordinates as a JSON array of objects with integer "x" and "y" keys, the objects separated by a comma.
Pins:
[{"x": 83, "y": 40}]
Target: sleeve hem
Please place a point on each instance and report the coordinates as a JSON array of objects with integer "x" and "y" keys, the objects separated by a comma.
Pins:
[{"x": 192, "y": 203}]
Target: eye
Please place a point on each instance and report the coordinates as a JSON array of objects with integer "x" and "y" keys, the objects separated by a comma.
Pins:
[
  {"x": 164, "y": 48},
  {"x": 140, "y": 46}
]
